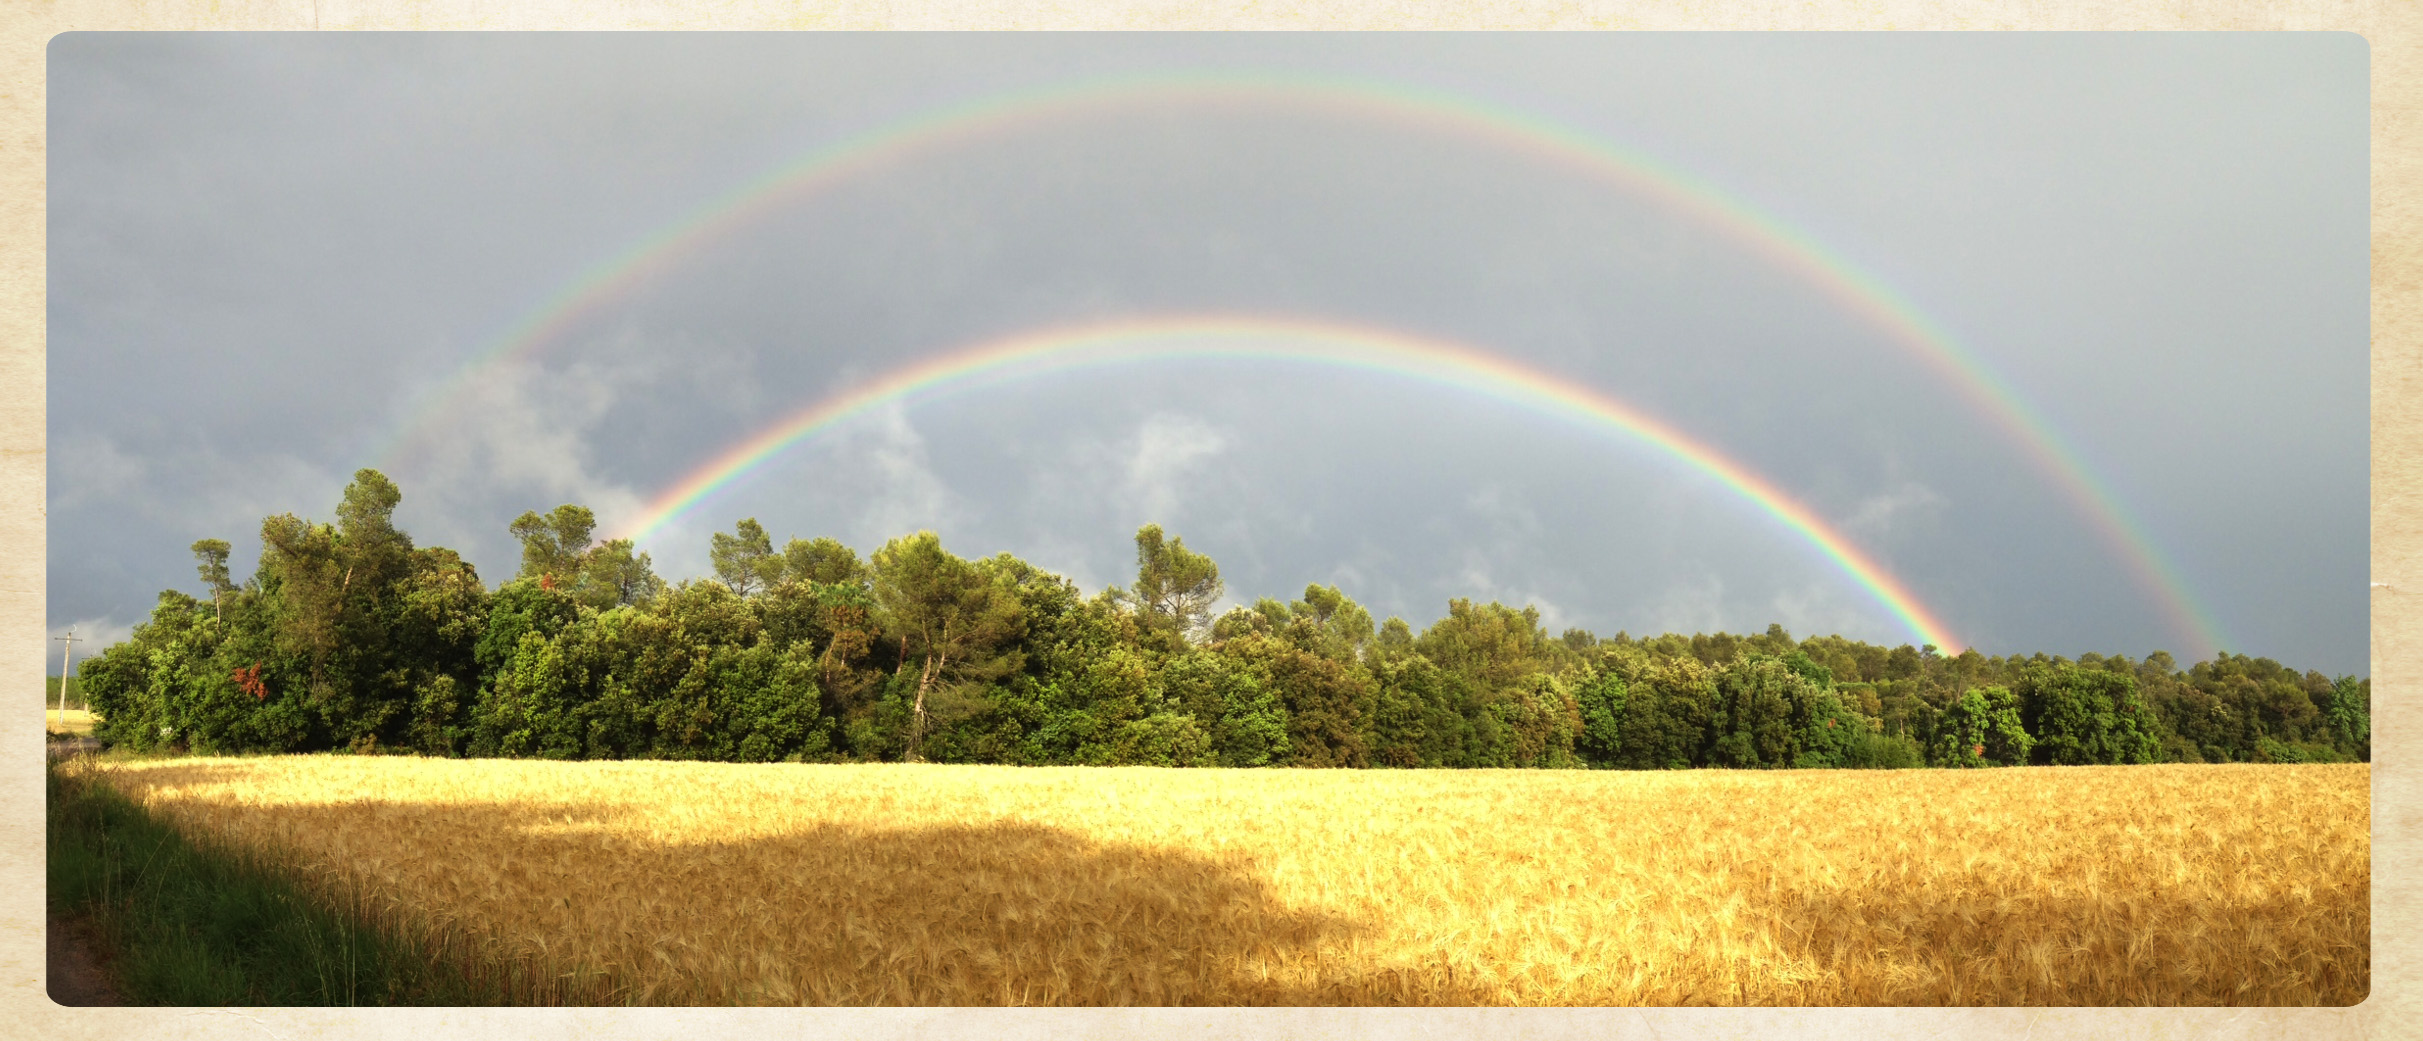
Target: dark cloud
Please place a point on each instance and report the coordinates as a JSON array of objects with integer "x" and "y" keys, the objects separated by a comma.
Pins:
[{"x": 268, "y": 253}]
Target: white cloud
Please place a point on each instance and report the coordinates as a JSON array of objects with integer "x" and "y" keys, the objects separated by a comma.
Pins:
[
  {"x": 1879, "y": 515},
  {"x": 1475, "y": 582},
  {"x": 907, "y": 495},
  {"x": 93, "y": 635},
  {"x": 521, "y": 432},
  {"x": 1346, "y": 576},
  {"x": 191, "y": 488},
  {"x": 1514, "y": 521},
  {"x": 92, "y": 467},
  {"x": 1821, "y": 611},
  {"x": 1510, "y": 542},
  {"x": 1166, "y": 450},
  {"x": 1691, "y": 606},
  {"x": 1081, "y": 496}
]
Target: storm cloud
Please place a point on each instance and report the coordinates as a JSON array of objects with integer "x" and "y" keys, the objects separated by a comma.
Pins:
[{"x": 272, "y": 258}]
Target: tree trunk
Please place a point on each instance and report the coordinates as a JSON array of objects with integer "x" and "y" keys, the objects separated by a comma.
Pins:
[{"x": 925, "y": 682}]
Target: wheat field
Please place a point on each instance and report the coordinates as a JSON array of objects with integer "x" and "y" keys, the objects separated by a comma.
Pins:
[{"x": 697, "y": 883}]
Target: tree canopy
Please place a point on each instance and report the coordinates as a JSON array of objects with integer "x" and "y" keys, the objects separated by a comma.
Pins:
[{"x": 349, "y": 637}]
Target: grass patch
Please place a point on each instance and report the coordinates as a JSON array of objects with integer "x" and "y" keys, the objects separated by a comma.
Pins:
[
  {"x": 188, "y": 925},
  {"x": 72, "y": 721}
]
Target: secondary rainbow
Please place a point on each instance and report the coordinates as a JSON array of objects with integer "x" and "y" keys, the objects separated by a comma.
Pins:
[
  {"x": 1289, "y": 340},
  {"x": 1542, "y": 139}
]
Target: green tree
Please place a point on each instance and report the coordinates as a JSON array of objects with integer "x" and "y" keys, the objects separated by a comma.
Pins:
[
  {"x": 309, "y": 652},
  {"x": 558, "y": 553},
  {"x": 1602, "y": 700},
  {"x": 212, "y": 555},
  {"x": 437, "y": 613},
  {"x": 349, "y": 636},
  {"x": 1493, "y": 645},
  {"x": 368, "y": 696},
  {"x": 1760, "y": 705},
  {"x": 955, "y": 621},
  {"x": 366, "y": 523},
  {"x": 1541, "y": 721},
  {"x": 1397, "y": 731},
  {"x": 1242, "y": 621},
  {"x": 131, "y": 685},
  {"x": 1246, "y": 724},
  {"x": 2079, "y": 715},
  {"x": 331, "y": 588},
  {"x": 1868, "y": 749},
  {"x": 2348, "y": 717},
  {"x": 305, "y": 583},
  {"x": 746, "y": 560},
  {"x": 1330, "y": 624},
  {"x": 1394, "y": 640},
  {"x": 822, "y": 561},
  {"x": 1163, "y": 739},
  {"x": 1423, "y": 715},
  {"x": 1672, "y": 713},
  {"x": 555, "y": 546},
  {"x": 1175, "y": 587},
  {"x": 1982, "y": 728},
  {"x": 1326, "y": 700},
  {"x": 615, "y": 575}
]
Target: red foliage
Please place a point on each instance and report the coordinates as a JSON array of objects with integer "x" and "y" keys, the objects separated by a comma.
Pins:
[{"x": 249, "y": 678}]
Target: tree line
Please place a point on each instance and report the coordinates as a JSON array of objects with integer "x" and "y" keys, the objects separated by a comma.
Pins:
[{"x": 350, "y": 637}]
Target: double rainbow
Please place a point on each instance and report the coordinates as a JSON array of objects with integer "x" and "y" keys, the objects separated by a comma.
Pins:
[
  {"x": 1543, "y": 140},
  {"x": 1297, "y": 341}
]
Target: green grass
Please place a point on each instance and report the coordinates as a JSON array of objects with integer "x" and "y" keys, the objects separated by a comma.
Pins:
[{"x": 192, "y": 926}]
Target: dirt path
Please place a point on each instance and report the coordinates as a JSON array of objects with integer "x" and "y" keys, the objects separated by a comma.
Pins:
[
  {"x": 78, "y": 970},
  {"x": 78, "y": 976}
]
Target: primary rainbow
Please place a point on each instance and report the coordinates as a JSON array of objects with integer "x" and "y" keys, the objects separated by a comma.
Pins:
[
  {"x": 1540, "y": 138},
  {"x": 1293, "y": 340}
]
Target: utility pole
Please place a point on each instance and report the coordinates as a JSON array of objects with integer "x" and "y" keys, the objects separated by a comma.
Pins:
[{"x": 65, "y": 654}]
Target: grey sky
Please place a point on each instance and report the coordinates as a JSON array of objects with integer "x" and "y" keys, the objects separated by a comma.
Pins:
[{"x": 267, "y": 250}]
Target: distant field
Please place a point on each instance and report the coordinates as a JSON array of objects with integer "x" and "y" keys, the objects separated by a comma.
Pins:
[
  {"x": 71, "y": 721},
  {"x": 726, "y": 883}
]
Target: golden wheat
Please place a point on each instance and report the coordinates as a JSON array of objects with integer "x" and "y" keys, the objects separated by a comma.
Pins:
[{"x": 719, "y": 883}]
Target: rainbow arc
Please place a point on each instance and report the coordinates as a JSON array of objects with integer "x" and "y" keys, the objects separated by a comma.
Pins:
[
  {"x": 1295, "y": 341},
  {"x": 1542, "y": 140}
]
